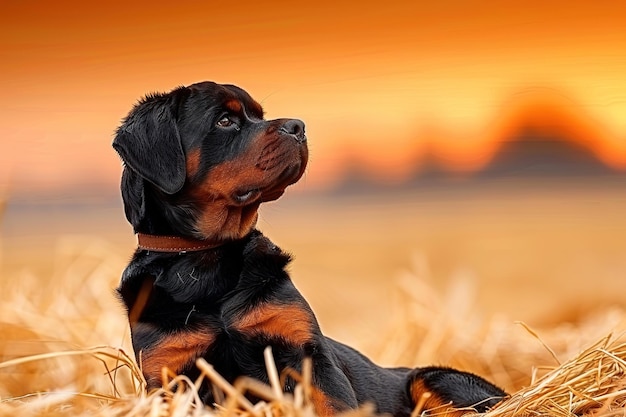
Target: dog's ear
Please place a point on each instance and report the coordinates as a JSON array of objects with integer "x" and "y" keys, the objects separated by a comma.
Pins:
[
  {"x": 133, "y": 196},
  {"x": 149, "y": 143}
]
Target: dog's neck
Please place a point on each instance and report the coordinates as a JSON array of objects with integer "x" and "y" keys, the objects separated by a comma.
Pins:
[{"x": 174, "y": 244}]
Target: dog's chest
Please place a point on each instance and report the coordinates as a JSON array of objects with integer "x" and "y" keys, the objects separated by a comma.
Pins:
[{"x": 227, "y": 315}]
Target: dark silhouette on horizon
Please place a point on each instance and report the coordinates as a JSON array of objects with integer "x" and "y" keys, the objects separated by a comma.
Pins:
[{"x": 542, "y": 135}]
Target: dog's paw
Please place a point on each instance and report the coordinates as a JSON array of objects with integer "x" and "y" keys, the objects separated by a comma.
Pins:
[{"x": 439, "y": 389}]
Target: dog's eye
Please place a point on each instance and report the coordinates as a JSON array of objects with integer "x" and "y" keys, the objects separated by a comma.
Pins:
[
  {"x": 245, "y": 196},
  {"x": 227, "y": 122},
  {"x": 224, "y": 122}
]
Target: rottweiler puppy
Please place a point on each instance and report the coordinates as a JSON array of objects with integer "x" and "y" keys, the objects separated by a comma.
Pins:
[{"x": 203, "y": 282}]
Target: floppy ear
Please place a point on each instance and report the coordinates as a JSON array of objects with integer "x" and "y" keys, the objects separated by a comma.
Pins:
[
  {"x": 133, "y": 197},
  {"x": 149, "y": 143}
]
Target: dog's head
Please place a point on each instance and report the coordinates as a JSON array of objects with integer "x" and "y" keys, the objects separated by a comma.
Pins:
[{"x": 199, "y": 160}]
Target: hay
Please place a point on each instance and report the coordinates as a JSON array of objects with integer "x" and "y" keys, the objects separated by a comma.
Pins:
[
  {"x": 593, "y": 383},
  {"x": 45, "y": 368},
  {"x": 447, "y": 328},
  {"x": 115, "y": 366}
]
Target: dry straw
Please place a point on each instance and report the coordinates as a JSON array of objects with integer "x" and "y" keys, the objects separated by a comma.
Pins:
[
  {"x": 45, "y": 369},
  {"x": 593, "y": 383}
]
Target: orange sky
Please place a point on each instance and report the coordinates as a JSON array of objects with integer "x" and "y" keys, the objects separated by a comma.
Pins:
[{"x": 379, "y": 83}]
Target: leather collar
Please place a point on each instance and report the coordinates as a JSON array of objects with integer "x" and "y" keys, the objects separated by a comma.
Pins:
[{"x": 173, "y": 244}]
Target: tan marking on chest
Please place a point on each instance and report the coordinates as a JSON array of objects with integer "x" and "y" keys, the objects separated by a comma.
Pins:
[
  {"x": 176, "y": 351},
  {"x": 290, "y": 323}
]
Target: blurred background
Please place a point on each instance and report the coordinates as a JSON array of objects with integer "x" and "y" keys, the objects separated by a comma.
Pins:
[{"x": 472, "y": 148}]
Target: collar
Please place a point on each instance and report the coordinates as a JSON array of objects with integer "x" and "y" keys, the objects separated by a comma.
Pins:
[{"x": 173, "y": 244}]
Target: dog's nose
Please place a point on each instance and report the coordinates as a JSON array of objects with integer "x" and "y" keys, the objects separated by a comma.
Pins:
[{"x": 295, "y": 128}]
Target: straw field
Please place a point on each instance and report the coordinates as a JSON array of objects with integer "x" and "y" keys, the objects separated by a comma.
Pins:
[{"x": 524, "y": 291}]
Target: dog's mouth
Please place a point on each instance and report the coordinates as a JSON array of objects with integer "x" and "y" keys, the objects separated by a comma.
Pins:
[
  {"x": 272, "y": 183},
  {"x": 278, "y": 167},
  {"x": 289, "y": 176}
]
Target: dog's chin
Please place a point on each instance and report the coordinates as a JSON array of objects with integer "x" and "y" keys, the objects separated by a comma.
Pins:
[
  {"x": 272, "y": 184},
  {"x": 268, "y": 191},
  {"x": 289, "y": 176}
]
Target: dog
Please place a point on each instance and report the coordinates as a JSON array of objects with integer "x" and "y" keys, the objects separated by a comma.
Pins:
[{"x": 205, "y": 283}]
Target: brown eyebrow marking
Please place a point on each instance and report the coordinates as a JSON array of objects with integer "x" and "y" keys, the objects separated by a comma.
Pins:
[
  {"x": 193, "y": 163},
  {"x": 233, "y": 105}
]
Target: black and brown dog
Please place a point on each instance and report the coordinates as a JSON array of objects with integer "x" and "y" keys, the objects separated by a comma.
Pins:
[{"x": 198, "y": 162}]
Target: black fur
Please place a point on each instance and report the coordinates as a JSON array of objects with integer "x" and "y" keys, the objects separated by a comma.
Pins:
[{"x": 228, "y": 303}]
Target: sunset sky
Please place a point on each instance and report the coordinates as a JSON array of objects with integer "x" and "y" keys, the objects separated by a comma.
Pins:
[{"x": 378, "y": 84}]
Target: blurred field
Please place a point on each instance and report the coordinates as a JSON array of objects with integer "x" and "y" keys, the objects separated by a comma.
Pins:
[
  {"x": 541, "y": 254},
  {"x": 439, "y": 276}
]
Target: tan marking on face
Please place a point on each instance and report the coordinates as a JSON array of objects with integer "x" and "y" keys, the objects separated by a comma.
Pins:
[
  {"x": 220, "y": 220},
  {"x": 234, "y": 106},
  {"x": 290, "y": 323},
  {"x": 193, "y": 163},
  {"x": 220, "y": 216},
  {"x": 258, "y": 170}
]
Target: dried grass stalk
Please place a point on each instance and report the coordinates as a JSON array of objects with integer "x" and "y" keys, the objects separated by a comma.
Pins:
[
  {"x": 42, "y": 372},
  {"x": 593, "y": 383}
]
